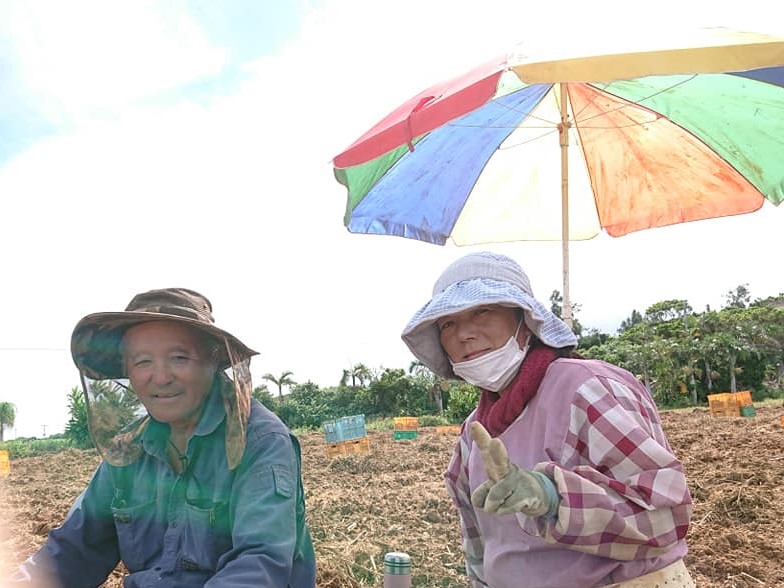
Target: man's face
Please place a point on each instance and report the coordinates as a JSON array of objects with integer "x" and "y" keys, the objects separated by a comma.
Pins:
[
  {"x": 478, "y": 330},
  {"x": 170, "y": 370}
]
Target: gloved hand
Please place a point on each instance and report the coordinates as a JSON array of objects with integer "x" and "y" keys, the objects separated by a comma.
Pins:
[{"x": 509, "y": 488}]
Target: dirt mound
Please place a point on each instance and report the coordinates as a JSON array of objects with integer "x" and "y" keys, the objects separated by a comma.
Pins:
[{"x": 393, "y": 499}]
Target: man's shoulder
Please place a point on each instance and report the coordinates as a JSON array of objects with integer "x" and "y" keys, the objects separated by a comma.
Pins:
[
  {"x": 263, "y": 421},
  {"x": 267, "y": 433}
]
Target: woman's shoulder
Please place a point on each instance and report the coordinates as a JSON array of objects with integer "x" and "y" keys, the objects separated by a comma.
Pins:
[
  {"x": 590, "y": 381},
  {"x": 586, "y": 368},
  {"x": 572, "y": 374}
]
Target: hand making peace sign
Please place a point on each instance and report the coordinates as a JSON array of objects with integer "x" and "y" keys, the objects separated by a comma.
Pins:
[{"x": 509, "y": 489}]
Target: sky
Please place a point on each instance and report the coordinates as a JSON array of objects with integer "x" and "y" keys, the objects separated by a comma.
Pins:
[{"x": 155, "y": 144}]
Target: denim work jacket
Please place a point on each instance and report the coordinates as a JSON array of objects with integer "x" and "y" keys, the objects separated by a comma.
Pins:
[{"x": 207, "y": 526}]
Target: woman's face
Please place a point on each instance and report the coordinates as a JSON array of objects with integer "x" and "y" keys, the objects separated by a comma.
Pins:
[{"x": 478, "y": 330}]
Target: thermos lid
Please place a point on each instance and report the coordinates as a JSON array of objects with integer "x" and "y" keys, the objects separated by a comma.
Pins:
[{"x": 397, "y": 563}]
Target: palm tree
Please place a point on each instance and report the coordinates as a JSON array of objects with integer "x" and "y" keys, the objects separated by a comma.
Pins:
[
  {"x": 284, "y": 380},
  {"x": 7, "y": 416},
  {"x": 359, "y": 372}
]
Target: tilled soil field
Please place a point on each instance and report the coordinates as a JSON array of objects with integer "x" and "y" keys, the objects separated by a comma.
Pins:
[{"x": 393, "y": 499}]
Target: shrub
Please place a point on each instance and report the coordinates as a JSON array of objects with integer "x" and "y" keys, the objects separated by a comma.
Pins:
[
  {"x": 33, "y": 447},
  {"x": 433, "y": 420},
  {"x": 76, "y": 430},
  {"x": 462, "y": 401}
]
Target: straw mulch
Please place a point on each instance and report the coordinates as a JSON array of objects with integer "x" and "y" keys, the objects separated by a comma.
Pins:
[{"x": 392, "y": 498}]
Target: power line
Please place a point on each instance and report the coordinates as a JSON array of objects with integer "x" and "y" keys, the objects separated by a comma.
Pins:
[{"x": 32, "y": 349}]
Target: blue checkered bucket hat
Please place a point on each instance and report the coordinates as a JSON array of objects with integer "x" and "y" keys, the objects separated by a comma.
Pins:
[{"x": 473, "y": 280}]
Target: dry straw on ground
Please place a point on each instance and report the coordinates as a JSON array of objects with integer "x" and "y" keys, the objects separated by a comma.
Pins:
[{"x": 392, "y": 498}]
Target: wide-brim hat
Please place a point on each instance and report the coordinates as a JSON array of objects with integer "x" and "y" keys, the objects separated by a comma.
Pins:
[
  {"x": 474, "y": 280},
  {"x": 96, "y": 339}
]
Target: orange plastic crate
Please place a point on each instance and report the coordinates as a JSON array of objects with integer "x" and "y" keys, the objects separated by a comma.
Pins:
[
  {"x": 5, "y": 463},
  {"x": 728, "y": 403},
  {"x": 361, "y": 445},
  {"x": 723, "y": 404},
  {"x": 743, "y": 398},
  {"x": 406, "y": 423},
  {"x": 448, "y": 429}
]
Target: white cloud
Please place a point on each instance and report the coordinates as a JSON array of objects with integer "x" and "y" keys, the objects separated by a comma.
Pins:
[
  {"x": 237, "y": 199},
  {"x": 87, "y": 57}
]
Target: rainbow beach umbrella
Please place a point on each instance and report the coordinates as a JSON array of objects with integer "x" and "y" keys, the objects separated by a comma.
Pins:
[{"x": 561, "y": 144}]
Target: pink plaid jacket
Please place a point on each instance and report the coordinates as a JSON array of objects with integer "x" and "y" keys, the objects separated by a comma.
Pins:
[{"x": 625, "y": 506}]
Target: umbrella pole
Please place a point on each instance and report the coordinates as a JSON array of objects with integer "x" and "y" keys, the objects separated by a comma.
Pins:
[{"x": 563, "y": 132}]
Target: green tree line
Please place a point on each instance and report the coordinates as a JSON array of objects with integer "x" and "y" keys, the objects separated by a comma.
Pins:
[
  {"x": 377, "y": 394},
  {"x": 683, "y": 356},
  {"x": 680, "y": 355}
]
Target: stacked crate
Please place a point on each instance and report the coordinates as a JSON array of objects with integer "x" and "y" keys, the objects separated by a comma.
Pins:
[
  {"x": 731, "y": 404},
  {"x": 405, "y": 428},
  {"x": 346, "y": 435},
  {"x": 348, "y": 447},
  {"x": 448, "y": 429},
  {"x": 745, "y": 406}
]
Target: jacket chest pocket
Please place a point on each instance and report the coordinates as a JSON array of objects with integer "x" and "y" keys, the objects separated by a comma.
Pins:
[
  {"x": 207, "y": 534},
  {"x": 138, "y": 534}
]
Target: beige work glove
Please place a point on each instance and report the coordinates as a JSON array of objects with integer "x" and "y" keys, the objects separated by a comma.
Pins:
[{"x": 509, "y": 488}]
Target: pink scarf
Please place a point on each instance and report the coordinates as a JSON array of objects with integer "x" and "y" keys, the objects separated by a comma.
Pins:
[{"x": 497, "y": 411}]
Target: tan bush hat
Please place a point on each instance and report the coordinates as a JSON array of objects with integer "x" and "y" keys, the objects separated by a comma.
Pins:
[{"x": 96, "y": 339}]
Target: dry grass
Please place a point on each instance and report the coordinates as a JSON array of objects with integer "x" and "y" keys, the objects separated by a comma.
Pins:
[{"x": 393, "y": 499}]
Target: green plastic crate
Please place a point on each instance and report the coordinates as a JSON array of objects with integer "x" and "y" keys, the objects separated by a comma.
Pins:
[
  {"x": 748, "y": 411},
  {"x": 398, "y": 435}
]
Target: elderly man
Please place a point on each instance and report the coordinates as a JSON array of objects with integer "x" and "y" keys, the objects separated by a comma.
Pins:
[{"x": 199, "y": 485}]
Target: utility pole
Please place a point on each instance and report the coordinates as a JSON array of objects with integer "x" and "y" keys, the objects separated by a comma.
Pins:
[{"x": 44, "y": 427}]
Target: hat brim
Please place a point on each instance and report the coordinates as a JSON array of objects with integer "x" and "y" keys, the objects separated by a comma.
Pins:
[
  {"x": 96, "y": 339},
  {"x": 422, "y": 337}
]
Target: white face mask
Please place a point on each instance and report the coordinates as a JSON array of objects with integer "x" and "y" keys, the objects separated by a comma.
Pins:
[{"x": 493, "y": 371}]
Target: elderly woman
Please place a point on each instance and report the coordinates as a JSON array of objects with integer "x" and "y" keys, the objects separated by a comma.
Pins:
[
  {"x": 562, "y": 475},
  {"x": 199, "y": 485}
]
